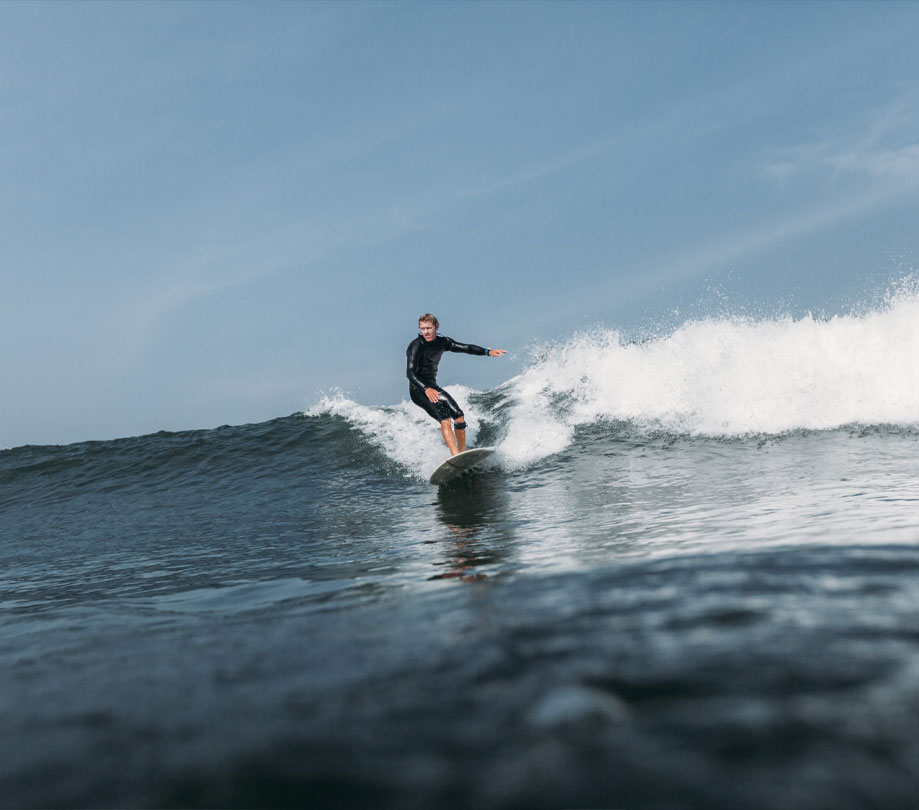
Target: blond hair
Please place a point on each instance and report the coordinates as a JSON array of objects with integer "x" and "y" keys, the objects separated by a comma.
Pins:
[{"x": 429, "y": 318}]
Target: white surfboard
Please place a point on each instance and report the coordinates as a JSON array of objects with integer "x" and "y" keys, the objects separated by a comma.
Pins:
[{"x": 458, "y": 464}]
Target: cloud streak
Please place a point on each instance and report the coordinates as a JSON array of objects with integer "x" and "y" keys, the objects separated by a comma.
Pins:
[
  {"x": 887, "y": 150},
  {"x": 877, "y": 169}
]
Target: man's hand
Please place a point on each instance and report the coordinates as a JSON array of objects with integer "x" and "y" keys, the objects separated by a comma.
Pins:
[
  {"x": 496, "y": 352},
  {"x": 432, "y": 394}
]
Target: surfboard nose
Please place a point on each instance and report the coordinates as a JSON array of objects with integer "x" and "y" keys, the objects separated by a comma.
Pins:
[{"x": 458, "y": 464}]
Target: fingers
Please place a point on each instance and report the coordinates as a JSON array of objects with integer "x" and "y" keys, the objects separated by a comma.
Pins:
[
  {"x": 498, "y": 352},
  {"x": 432, "y": 394}
]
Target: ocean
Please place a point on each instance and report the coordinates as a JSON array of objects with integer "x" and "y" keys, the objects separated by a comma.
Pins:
[{"x": 688, "y": 579}]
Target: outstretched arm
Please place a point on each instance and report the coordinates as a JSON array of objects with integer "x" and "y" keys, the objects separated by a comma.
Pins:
[{"x": 471, "y": 348}]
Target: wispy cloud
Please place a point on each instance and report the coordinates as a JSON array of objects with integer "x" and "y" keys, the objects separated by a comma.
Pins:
[
  {"x": 207, "y": 271},
  {"x": 712, "y": 256},
  {"x": 886, "y": 150},
  {"x": 899, "y": 165},
  {"x": 875, "y": 168}
]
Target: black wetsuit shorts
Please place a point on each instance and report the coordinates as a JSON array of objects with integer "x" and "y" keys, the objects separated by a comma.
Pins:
[{"x": 444, "y": 408}]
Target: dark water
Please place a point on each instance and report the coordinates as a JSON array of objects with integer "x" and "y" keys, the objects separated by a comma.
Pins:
[{"x": 284, "y": 615}]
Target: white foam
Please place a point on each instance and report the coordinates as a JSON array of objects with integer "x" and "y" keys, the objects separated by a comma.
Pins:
[
  {"x": 735, "y": 377},
  {"x": 534, "y": 429},
  {"x": 404, "y": 432}
]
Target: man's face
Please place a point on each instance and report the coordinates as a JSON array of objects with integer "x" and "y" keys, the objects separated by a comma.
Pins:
[{"x": 428, "y": 330}]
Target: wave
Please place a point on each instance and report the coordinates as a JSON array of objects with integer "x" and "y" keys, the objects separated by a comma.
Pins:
[
  {"x": 723, "y": 378},
  {"x": 718, "y": 377},
  {"x": 405, "y": 433},
  {"x": 226, "y": 459},
  {"x": 731, "y": 377}
]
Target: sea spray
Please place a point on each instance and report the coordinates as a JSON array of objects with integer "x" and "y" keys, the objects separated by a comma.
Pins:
[
  {"x": 733, "y": 377},
  {"x": 404, "y": 432},
  {"x": 717, "y": 377}
]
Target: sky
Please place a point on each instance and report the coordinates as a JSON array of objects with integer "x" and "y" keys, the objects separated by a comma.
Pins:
[{"x": 215, "y": 213}]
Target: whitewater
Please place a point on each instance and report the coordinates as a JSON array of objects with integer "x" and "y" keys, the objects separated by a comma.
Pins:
[
  {"x": 710, "y": 378},
  {"x": 688, "y": 579}
]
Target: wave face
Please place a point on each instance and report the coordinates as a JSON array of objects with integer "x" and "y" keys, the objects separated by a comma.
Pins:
[{"x": 725, "y": 378}]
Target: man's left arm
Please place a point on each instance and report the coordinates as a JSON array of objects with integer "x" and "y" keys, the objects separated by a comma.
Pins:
[{"x": 471, "y": 348}]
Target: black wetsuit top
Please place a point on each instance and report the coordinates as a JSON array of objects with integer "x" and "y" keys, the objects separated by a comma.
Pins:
[
  {"x": 421, "y": 370},
  {"x": 424, "y": 357}
]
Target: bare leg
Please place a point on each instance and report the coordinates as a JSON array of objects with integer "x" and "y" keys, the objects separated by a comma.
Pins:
[
  {"x": 447, "y": 429},
  {"x": 460, "y": 434}
]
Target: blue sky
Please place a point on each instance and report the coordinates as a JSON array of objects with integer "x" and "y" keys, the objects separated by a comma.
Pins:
[{"x": 212, "y": 213}]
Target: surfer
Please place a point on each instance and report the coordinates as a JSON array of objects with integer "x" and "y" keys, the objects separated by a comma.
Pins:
[{"x": 424, "y": 354}]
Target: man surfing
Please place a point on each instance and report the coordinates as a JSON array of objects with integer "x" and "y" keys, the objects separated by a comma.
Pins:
[{"x": 424, "y": 354}]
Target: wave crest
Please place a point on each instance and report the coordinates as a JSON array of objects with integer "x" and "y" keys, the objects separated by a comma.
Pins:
[
  {"x": 731, "y": 377},
  {"x": 719, "y": 377}
]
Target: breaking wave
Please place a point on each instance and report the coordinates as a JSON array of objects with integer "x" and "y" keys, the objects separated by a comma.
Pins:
[{"x": 725, "y": 377}]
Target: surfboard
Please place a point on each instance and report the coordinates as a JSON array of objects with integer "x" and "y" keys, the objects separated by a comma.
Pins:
[{"x": 458, "y": 464}]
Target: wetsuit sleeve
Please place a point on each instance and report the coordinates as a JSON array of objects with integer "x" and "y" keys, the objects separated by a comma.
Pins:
[
  {"x": 411, "y": 367},
  {"x": 465, "y": 348}
]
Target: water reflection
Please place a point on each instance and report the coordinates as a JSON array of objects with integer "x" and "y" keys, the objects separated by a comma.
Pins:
[{"x": 473, "y": 511}]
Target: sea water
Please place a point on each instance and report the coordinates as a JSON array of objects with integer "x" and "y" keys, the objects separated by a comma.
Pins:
[{"x": 689, "y": 578}]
